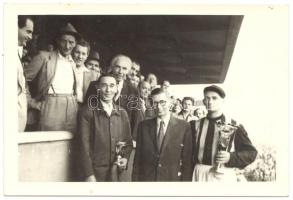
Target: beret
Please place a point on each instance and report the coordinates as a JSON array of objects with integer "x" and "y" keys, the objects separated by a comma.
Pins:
[{"x": 216, "y": 89}]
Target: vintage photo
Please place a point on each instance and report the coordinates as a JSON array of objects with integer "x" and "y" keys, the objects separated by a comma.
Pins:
[{"x": 166, "y": 98}]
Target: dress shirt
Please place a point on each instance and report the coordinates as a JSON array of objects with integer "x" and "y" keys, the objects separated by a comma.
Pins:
[
  {"x": 166, "y": 120},
  {"x": 79, "y": 82},
  {"x": 63, "y": 80},
  {"x": 107, "y": 107}
]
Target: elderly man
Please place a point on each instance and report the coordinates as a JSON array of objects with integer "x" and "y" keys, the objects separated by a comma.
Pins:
[
  {"x": 134, "y": 80},
  {"x": 54, "y": 75},
  {"x": 163, "y": 145},
  {"x": 134, "y": 70},
  {"x": 25, "y": 31},
  {"x": 127, "y": 94},
  {"x": 212, "y": 148},
  {"x": 102, "y": 127}
]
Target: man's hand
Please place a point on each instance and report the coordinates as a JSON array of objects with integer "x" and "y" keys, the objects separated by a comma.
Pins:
[
  {"x": 91, "y": 178},
  {"x": 122, "y": 162},
  {"x": 222, "y": 157}
]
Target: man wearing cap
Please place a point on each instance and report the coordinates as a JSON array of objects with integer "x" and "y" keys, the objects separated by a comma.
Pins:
[
  {"x": 25, "y": 31},
  {"x": 236, "y": 152},
  {"x": 55, "y": 75},
  {"x": 94, "y": 70},
  {"x": 163, "y": 145}
]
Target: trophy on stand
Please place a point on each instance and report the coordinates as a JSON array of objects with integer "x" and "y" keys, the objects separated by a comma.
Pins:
[
  {"x": 120, "y": 153},
  {"x": 225, "y": 133}
]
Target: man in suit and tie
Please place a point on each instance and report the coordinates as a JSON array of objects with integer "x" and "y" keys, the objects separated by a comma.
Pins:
[
  {"x": 25, "y": 31},
  {"x": 55, "y": 76},
  {"x": 163, "y": 145}
]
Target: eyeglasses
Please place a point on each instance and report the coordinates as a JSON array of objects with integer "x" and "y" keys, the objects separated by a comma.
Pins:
[{"x": 161, "y": 103}]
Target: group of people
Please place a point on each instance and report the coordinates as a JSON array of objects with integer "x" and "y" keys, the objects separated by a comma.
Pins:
[{"x": 126, "y": 128}]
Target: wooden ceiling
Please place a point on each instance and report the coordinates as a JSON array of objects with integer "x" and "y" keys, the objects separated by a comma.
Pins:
[{"x": 185, "y": 49}]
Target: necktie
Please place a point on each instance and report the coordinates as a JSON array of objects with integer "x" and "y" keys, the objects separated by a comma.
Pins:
[
  {"x": 143, "y": 107},
  {"x": 160, "y": 135}
]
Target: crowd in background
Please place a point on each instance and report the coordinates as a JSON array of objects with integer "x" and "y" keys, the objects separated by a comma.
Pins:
[
  {"x": 123, "y": 123},
  {"x": 90, "y": 61}
]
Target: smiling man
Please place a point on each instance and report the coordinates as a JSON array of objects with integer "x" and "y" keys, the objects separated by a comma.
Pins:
[
  {"x": 101, "y": 129},
  {"x": 80, "y": 54},
  {"x": 240, "y": 151},
  {"x": 163, "y": 145},
  {"x": 54, "y": 75},
  {"x": 25, "y": 31}
]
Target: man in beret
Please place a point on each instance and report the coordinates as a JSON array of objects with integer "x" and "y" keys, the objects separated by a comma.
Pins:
[
  {"x": 238, "y": 152},
  {"x": 54, "y": 74}
]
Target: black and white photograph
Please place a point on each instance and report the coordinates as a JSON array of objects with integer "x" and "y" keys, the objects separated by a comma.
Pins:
[{"x": 111, "y": 100}]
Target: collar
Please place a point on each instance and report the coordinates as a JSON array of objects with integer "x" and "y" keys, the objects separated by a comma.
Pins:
[
  {"x": 82, "y": 69},
  {"x": 165, "y": 119},
  {"x": 20, "y": 50},
  {"x": 221, "y": 117},
  {"x": 183, "y": 113},
  {"x": 68, "y": 58},
  {"x": 104, "y": 106},
  {"x": 120, "y": 84}
]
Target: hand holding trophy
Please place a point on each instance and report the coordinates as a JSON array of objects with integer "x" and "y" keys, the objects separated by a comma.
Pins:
[
  {"x": 120, "y": 162},
  {"x": 225, "y": 133}
]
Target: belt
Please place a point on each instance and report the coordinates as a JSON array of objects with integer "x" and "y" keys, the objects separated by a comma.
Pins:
[{"x": 60, "y": 95}]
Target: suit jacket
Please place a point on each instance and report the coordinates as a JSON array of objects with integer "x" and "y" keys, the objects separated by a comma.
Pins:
[
  {"x": 22, "y": 98},
  {"x": 141, "y": 115},
  {"x": 127, "y": 100},
  {"x": 41, "y": 70},
  {"x": 88, "y": 77},
  {"x": 173, "y": 162}
]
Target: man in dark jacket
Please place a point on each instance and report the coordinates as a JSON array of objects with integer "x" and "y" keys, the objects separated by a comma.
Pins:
[
  {"x": 103, "y": 126},
  {"x": 219, "y": 141},
  {"x": 163, "y": 145}
]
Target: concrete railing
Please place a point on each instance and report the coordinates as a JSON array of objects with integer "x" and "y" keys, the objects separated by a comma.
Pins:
[{"x": 45, "y": 156}]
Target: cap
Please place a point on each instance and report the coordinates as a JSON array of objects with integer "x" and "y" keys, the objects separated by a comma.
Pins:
[
  {"x": 216, "y": 89},
  {"x": 94, "y": 55}
]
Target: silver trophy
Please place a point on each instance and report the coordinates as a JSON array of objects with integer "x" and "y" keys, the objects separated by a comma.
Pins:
[
  {"x": 120, "y": 153},
  {"x": 225, "y": 133}
]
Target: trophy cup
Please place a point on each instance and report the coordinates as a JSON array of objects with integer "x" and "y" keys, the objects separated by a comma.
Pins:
[
  {"x": 120, "y": 153},
  {"x": 225, "y": 133}
]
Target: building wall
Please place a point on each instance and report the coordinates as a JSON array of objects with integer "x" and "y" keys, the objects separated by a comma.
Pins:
[{"x": 45, "y": 156}]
